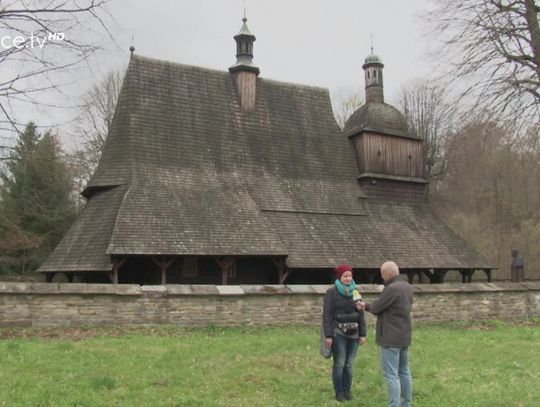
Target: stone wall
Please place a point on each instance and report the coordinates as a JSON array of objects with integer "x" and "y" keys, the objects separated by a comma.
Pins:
[{"x": 42, "y": 304}]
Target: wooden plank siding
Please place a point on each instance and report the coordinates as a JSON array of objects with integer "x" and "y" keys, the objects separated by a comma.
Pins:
[
  {"x": 246, "y": 88},
  {"x": 386, "y": 155}
]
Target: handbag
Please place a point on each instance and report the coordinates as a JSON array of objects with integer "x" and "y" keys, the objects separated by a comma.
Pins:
[{"x": 325, "y": 351}]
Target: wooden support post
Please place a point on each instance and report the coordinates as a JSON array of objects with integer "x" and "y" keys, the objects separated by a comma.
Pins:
[
  {"x": 225, "y": 264},
  {"x": 429, "y": 275},
  {"x": 435, "y": 275},
  {"x": 224, "y": 275},
  {"x": 439, "y": 276},
  {"x": 488, "y": 274},
  {"x": 283, "y": 276},
  {"x": 283, "y": 273},
  {"x": 163, "y": 264},
  {"x": 163, "y": 276},
  {"x": 117, "y": 262},
  {"x": 466, "y": 275},
  {"x": 410, "y": 275}
]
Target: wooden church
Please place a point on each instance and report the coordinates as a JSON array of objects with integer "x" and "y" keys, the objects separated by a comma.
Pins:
[{"x": 215, "y": 177}]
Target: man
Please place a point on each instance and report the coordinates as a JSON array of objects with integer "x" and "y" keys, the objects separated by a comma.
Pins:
[
  {"x": 517, "y": 267},
  {"x": 393, "y": 311}
]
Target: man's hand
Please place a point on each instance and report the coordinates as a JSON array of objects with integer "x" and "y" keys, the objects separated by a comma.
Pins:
[
  {"x": 360, "y": 306},
  {"x": 362, "y": 340}
]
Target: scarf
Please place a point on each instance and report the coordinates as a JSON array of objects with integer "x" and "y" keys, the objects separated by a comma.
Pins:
[{"x": 345, "y": 290}]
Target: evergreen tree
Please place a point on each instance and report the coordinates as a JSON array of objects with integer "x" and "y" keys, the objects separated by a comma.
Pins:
[{"x": 36, "y": 202}]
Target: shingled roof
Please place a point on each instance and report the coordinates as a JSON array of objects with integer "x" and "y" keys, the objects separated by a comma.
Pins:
[
  {"x": 378, "y": 117},
  {"x": 185, "y": 171}
]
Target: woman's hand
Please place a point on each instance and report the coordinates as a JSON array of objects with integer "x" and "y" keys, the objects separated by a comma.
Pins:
[
  {"x": 362, "y": 340},
  {"x": 328, "y": 343}
]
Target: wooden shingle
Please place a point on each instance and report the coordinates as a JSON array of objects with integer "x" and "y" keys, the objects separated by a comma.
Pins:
[{"x": 186, "y": 172}]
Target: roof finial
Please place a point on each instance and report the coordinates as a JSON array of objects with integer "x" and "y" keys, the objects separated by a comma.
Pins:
[
  {"x": 371, "y": 35},
  {"x": 132, "y": 47},
  {"x": 245, "y": 18}
]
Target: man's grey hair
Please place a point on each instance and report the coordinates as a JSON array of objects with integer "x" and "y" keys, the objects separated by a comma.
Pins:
[{"x": 390, "y": 267}]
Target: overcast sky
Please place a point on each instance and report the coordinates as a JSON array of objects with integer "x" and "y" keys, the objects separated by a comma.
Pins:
[{"x": 315, "y": 42}]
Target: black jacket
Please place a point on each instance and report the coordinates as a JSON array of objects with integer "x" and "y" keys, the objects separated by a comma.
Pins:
[
  {"x": 336, "y": 305},
  {"x": 393, "y": 310}
]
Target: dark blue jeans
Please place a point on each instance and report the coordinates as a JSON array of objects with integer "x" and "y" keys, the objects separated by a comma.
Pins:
[{"x": 343, "y": 353}]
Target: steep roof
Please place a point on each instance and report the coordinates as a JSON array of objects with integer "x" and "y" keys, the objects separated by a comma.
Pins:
[
  {"x": 84, "y": 247},
  {"x": 186, "y": 172}
]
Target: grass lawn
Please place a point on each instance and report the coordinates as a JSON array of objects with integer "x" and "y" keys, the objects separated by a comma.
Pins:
[{"x": 489, "y": 364}]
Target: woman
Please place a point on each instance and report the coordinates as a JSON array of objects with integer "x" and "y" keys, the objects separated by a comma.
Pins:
[{"x": 344, "y": 329}]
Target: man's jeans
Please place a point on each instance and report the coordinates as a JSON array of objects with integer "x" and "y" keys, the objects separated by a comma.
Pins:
[
  {"x": 343, "y": 351},
  {"x": 395, "y": 369}
]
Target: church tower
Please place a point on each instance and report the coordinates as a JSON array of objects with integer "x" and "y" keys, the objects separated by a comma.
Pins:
[
  {"x": 388, "y": 158},
  {"x": 244, "y": 70}
]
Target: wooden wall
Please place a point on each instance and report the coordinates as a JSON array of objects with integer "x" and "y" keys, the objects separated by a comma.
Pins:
[
  {"x": 246, "y": 88},
  {"x": 389, "y": 155}
]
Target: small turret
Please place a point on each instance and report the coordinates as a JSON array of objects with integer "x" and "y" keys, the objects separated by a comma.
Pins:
[
  {"x": 244, "y": 71},
  {"x": 373, "y": 68}
]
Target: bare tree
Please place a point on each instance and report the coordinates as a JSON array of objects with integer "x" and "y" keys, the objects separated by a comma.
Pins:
[
  {"x": 92, "y": 125},
  {"x": 40, "y": 40},
  {"x": 493, "y": 50},
  {"x": 490, "y": 194},
  {"x": 345, "y": 104},
  {"x": 96, "y": 114},
  {"x": 430, "y": 117}
]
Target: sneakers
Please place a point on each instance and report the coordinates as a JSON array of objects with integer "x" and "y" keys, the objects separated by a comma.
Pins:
[{"x": 347, "y": 395}]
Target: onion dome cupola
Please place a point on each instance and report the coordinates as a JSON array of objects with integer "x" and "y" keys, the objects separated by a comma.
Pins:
[
  {"x": 244, "y": 70},
  {"x": 378, "y": 131}
]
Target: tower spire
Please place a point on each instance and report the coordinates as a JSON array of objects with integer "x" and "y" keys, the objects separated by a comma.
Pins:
[
  {"x": 244, "y": 49},
  {"x": 244, "y": 71},
  {"x": 373, "y": 74},
  {"x": 132, "y": 46}
]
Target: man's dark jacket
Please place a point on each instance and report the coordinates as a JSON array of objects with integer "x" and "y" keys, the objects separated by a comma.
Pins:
[{"x": 393, "y": 310}]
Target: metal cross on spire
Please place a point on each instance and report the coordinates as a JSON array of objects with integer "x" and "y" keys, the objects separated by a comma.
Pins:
[{"x": 132, "y": 47}]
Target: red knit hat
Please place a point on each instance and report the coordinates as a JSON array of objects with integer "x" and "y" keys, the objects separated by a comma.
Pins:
[{"x": 342, "y": 268}]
